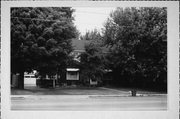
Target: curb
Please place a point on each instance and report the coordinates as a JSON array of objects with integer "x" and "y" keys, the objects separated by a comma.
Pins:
[{"x": 82, "y": 96}]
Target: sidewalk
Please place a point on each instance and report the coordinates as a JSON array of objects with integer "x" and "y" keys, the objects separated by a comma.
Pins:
[{"x": 139, "y": 92}]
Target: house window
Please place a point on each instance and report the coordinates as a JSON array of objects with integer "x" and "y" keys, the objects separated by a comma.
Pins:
[{"x": 72, "y": 74}]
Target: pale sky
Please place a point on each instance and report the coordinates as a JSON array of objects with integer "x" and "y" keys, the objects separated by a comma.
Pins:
[{"x": 89, "y": 18}]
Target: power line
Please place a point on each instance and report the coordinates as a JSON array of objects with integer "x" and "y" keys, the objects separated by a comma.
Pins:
[
  {"x": 35, "y": 19},
  {"x": 59, "y": 20}
]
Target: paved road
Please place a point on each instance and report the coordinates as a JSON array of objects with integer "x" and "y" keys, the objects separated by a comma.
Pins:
[{"x": 88, "y": 102}]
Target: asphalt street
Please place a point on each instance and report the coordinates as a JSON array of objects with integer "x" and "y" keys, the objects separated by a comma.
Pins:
[
  {"x": 88, "y": 102},
  {"x": 86, "y": 99}
]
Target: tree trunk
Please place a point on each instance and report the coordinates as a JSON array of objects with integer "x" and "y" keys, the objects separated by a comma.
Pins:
[
  {"x": 21, "y": 80},
  {"x": 62, "y": 74}
]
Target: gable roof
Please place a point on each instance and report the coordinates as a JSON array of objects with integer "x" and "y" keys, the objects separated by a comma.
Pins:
[{"x": 79, "y": 45}]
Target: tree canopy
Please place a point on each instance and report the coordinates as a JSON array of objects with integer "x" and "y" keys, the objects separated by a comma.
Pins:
[
  {"x": 92, "y": 60},
  {"x": 137, "y": 42},
  {"x": 41, "y": 38},
  {"x": 133, "y": 44}
]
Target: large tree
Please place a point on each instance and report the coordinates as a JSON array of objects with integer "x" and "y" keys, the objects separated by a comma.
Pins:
[
  {"x": 92, "y": 60},
  {"x": 137, "y": 39},
  {"x": 40, "y": 39}
]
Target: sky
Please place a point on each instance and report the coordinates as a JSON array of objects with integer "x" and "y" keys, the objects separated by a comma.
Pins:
[{"x": 90, "y": 18}]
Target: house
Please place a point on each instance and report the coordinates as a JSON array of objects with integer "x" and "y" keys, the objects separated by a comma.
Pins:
[
  {"x": 79, "y": 47},
  {"x": 73, "y": 74},
  {"x": 29, "y": 79}
]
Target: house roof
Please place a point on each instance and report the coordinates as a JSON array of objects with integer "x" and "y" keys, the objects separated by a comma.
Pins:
[{"x": 78, "y": 45}]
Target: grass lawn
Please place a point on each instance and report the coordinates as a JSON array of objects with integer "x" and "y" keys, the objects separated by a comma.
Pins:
[{"x": 33, "y": 90}]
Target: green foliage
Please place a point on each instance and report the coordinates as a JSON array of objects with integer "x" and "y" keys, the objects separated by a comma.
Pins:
[
  {"x": 137, "y": 41},
  {"x": 92, "y": 65},
  {"x": 93, "y": 35},
  {"x": 41, "y": 38}
]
